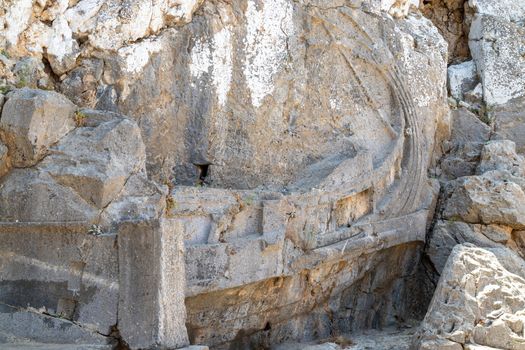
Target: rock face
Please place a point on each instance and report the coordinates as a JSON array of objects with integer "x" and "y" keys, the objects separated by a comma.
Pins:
[
  {"x": 497, "y": 48},
  {"x": 480, "y": 300},
  {"x": 33, "y": 120},
  {"x": 449, "y": 18},
  {"x": 246, "y": 173},
  {"x": 292, "y": 186}
]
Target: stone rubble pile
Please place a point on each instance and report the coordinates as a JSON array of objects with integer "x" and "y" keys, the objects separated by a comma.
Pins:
[{"x": 475, "y": 248}]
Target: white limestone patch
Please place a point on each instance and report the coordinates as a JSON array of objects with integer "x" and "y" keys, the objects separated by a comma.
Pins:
[
  {"x": 135, "y": 57},
  {"x": 201, "y": 60},
  {"x": 412, "y": 59},
  {"x": 182, "y": 10},
  {"x": 81, "y": 17},
  {"x": 60, "y": 42},
  {"x": 398, "y": 8},
  {"x": 16, "y": 20},
  {"x": 509, "y": 10},
  {"x": 214, "y": 58},
  {"x": 268, "y": 23},
  {"x": 222, "y": 64}
]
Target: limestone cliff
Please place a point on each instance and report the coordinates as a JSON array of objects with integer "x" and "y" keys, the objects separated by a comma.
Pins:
[{"x": 252, "y": 174}]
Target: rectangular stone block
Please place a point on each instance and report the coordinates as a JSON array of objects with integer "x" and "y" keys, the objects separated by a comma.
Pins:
[
  {"x": 61, "y": 270},
  {"x": 152, "y": 313}
]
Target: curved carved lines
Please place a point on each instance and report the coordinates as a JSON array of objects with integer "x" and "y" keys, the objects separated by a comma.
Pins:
[{"x": 410, "y": 185}]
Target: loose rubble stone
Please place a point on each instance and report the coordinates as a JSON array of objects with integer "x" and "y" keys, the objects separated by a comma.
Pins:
[
  {"x": 29, "y": 72},
  {"x": 32, "y": 121},
  {"x": 467, "y": 128},
  {"x": 96, "y": 161},
  {"x": 509, "y": 122},
  {"x": 461, "y": 160},
  {"x": 447, "y": 234},
  {"x": 462, "y": 78},
  {"x": 480, "y": 299},
  {"x": 487, "y": 199},
  {"x": 501, "y": 155},
  {"x": 497, "y": 49}
]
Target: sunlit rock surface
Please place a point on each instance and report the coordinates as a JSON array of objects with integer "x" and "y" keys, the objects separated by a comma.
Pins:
[{"x": 248, "y": 174}]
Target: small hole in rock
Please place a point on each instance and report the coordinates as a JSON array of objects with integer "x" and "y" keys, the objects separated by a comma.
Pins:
[
  {"x": 203, "y": 173},
  {"x": 268, "y": 326}
]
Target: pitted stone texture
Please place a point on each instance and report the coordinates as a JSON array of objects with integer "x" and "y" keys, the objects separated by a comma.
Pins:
[
  {"x": 32, "y": 121},
  {"x": 56, "y": 30},
  {"x": 480, "y": 299},
  {"x": 509, "y": 122},
  {"x": 501, "y": 155},
  {"x": 462, "y": 78},
  {"x": 497, "y": 48},
  {"x": 28, "y": 195},
  {"x": 449, "y": 17},
  {"x": 447, "y": 234},
  {"x": 151, "y": 284},
  {"x": 96, "y": 161},
  {"x": 508, "y": 10}
]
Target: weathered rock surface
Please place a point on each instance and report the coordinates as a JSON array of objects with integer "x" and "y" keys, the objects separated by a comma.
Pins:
[
  {"x": 152, "y": 285},
  {"x": 294, "y": 140},
  {"x": 449, "y": 18},
  {"x": 106, "y": 25},
  {"x": 58, "y": 331},
  {"x": 487, "y": 199},
  {"x": 32, "y": 121},
  {"x": 479, "y": 300},
  {"x": 509, "y": 122},
  {"x": 462, "y": 78},
  {"x": 497, "y": 48},
  {"x": 508, "y": 10},
  {"x": 447, "y": 234},
  {"x": 68, "y": 208},
  {"x": 96, "y": 161},
  {"x": 29, "y": 195}
]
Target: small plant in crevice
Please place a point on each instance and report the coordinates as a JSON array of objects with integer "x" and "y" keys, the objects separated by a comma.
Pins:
[
  {"x": 4, "y": 53},
  {"x": 4, "y": 89},
  {"x": 95, "y": 230},
  {"x": 486, "y": 114},
  {"x": 80, "y": 119},
  {"x": 170, "y": 205}
]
